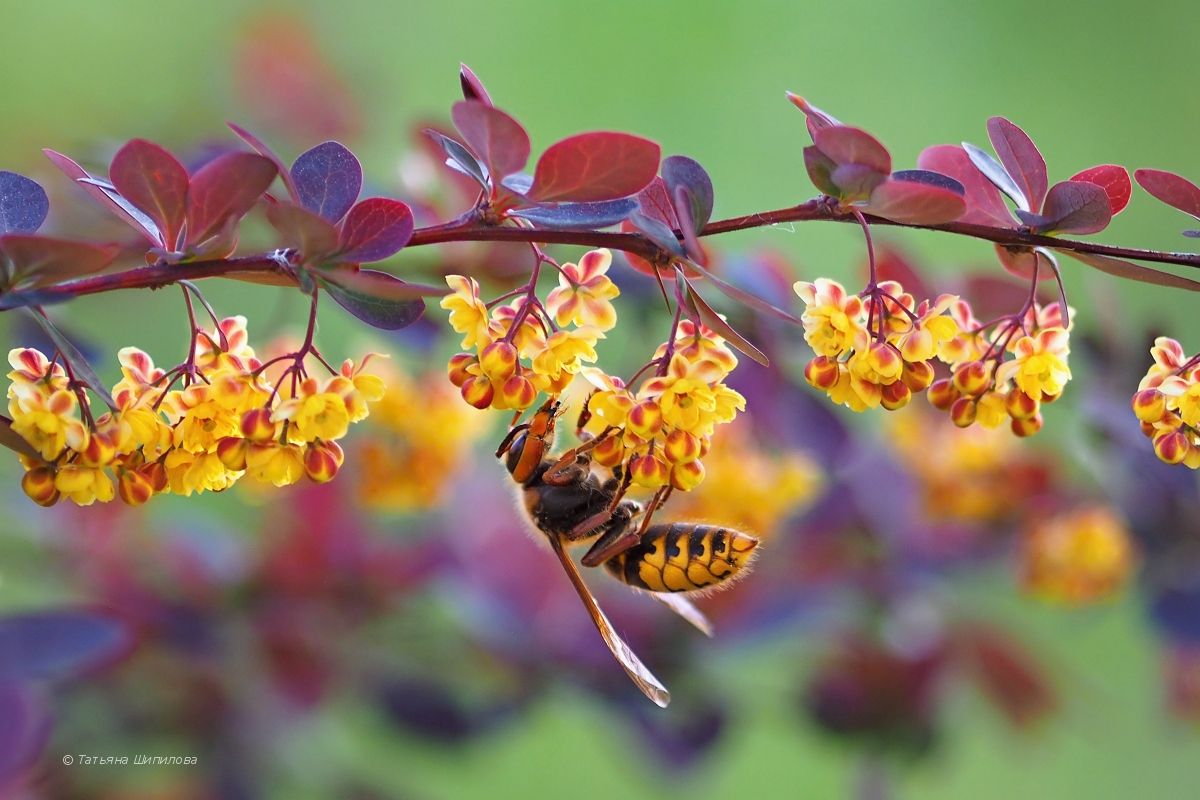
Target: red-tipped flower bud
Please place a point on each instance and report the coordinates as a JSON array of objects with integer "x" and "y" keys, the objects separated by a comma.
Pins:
[
  {"x": 1026, "y": 426},
  {"x": 133, "y": 487},
  {"x": 1021, "y": 406},
  {"x": 645, "y": 419},
  {"x": 257, "y": 425},
  {"x": 681, "y": 447},
  {"x": 499, "y": 361},
  {"x": 942, "y": 394},
  {"x": 963, "y": 411},
  {"x": 457, "y": 368},
  {"x": 1150, "y": 405},
  {"x": 917, "y": 375},
  {"x": 972, "y": 378},
  {"x": 232, "y": 450},
  {"x": 822, "y": 373},
  {"x": 686, "y": 477},
  {"x": 1172, "y": 446},
  {"x": 38, "y": 484},
  {"x": 649, "y": 471},
  {"x": 478, "y": 391},
  {"x": 895, "y": 395},
  {"x": 322, "y": 460}
]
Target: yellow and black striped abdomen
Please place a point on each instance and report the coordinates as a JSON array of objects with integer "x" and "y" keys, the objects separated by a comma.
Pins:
[{"x": 683, "y": 557}]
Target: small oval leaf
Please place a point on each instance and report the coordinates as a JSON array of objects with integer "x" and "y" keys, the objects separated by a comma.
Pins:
[
  {"x": 377, "y": 298},
  {"x": 313, "y": 236},
  {"x": 375, "y": 229},
  {"x": 328, "y": 179},
  {"x": 103, "y": 193},
  {"x": 23, "y": 203},
  {"x": 1114, "y": 180},
  {"x": 684, "y": 171},
  {"x": 1072, "y": 207},
  {"x": 595, "y": 166},
  {"x": 1174, "y": 190},
  {"x": 918, "y": 197},
  {"x": 579, "y": 216},
  {"x": 37, "y": 261},
  {"x": 985, "y": 205},
  {"x": 1021, "y": 159},
  {"x": 472, "y": 87},
  {"x": 495, "y": 137},
  {"x": 846, "y": 145},
  {"x": 148, "y": 176},
  {"x": 225, "y": 189},
  {"x": 459, "y": 158},
  {"x": 1134, "y": 272},
  {"x": 259, "y": 147},
  {"x": 995, "y": 172}
]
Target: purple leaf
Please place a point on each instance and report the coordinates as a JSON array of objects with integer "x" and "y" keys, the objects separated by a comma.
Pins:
[
  {"x": 1021, "y": 159},
  {"x": 58, "y": 644},
  {"x": 1174, "y": 190},
  {"x": 459, "y": 158},
  {"x": 472, "y": 87},
  {"x": 992, "y": 169},
  {"x": 985, "y": 206},
  {"x": 313, "y": 236},
  {"x": 1071, "y": 207},
  {"x": 745, "y": 298},
  {"x": 687, "y": 225},
  {"x": 40, "y": 260},
  {"x": 579, "y": 216},
  {"x": 656, "y": 203},
  {"x": 23, "y": 203},
  {"x": 375, "y": 229},
  {"x": 918, "y": 197},
  {"x": 74, "y": 359},
  {"x": 257, "y": 145},
  {"x": 595, "y": 166},
  {"x": 1134, "y": 272},
  {"x": 496, "y": 138},
  {"x": 377, "y": 298},
  {"x": 846, "y": 145},
  {"x": 683, "y": 171},
  {"x": 225, "y": 189},
  {"x": 657, "y": 232},
  {"x": 153, "y": 180},
  {"x": 103, "y": 192},
  {"x": 1114, "y": 180},
  {"x": 328, "y": 179}
]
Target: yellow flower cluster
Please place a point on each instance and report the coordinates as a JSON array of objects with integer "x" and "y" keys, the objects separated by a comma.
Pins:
[
  {"x": 1167, "y": 403},
  {"x": 420, "y": 434},
  {"x": 225, "y": 422},
  {"x": 1079, "y": 557},
  {"x": 1006, "y": 375},
  {"x": 874, "y": 351},
  {"x": 522, "y": 349},
  {"x": 661, "y": 432}
]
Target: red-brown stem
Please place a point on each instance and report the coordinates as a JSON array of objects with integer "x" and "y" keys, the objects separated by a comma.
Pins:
[{"x": 466, "y": 228}]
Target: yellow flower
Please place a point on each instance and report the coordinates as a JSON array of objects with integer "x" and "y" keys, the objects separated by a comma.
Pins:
[
  {"x": 685, "y": 397},
  {"x": 280, "y": 465},
  {"x": 237, "y": 339},
  {"x": 930, "y": 333},
  {"x": 833, "y": 320},
  {"x": 46, "y": 420},
  {"x": 698, "y": 343},
  {"x": 313, "y": 414},
  {"x": 188, "y": 472},
  {"x": 566, "y": 350},
  {"x": 1040, "y": 367},
  {"x": 529, "y": 339},
  {"x": 84, "y": 485},
  {"x": 585, "y": 292},
  {"x": 468, "y": 314},
  {"x": 200, "y": 421},
  {"x": 1079, "y": 557}
]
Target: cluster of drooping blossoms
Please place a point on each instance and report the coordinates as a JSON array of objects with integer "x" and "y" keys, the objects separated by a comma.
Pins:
[
  {"x": 1078, "y": 557},
  {"x": 524, "y": 348},
  {"x": 1168, "y": 403},
  {"x": 659, "y": 432},
  {"x": 880, "y": 347},
  {"x": 225, "y": 421},
  {"x": 874, "y": 349}
]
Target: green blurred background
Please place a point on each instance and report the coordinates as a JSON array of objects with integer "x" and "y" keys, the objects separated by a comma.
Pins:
[{"x": 1094, "y": 83}]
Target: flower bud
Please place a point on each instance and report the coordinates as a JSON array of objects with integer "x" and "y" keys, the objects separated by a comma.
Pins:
[
  {"x": 895, "y": 395},
  {"x": 516, "y": 392},
  {"x": 822, "y": 373},
  {"x": 457, "y": 368},
  {"x": 942, "y": 394},
  {"x": 681, "y": 447},
  {"x": 499, "y": 360},
  {"x": 917, "y": 375},
  {"x": 38, "y": 484},
  {"x": 1172, "y": 446},
  {"x": 322, "y": 460},
  {"x": 963, "y": 411},
  {"x": 257, "y": 426},
  {"x": 972, "y": 378},
  {"x": 133, "y": 487},
  {"x": 155, "y": 474},
  {"x": 648, "y": 471},
  {"x": 645, "y": 419},
  {"x": 1021, "y": 406},
  {"x": 610, "y": 452},
  {"x": 686, "y": 477},
  {"x": 1026, "y": 426},
  {"x": 1150, "y": 405},
  {"x": 231, "y": 451},
  {"x": 99, "y": 451},
  {"x": 478, "y": 391}
]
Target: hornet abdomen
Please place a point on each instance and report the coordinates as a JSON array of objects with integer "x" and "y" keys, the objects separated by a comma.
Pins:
[{"x": 683, "y": 557}]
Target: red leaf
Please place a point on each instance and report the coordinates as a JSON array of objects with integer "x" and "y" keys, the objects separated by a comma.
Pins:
[
  {"x": 1071, "y": 207},
  {"x": 153, "y": 180},
  {"x": 915, "y": 202},
  {"x": 472, "y": 87},
  {"x": 705, "y": 314},
  {"x": 1021, "y": 261},
  {"x": 1008, "y": 676},
  {"x": 814, "y": 118},
  {"x": 595, "y": 166},
  {"x": 311, "y": 234},
  {"x": 1021, "y": 159},
  {"x": 656, "y": 203},
  {"x": 846, "y": 145},
  {"x": 985, "y": 205},
  {"x": 1174, "y": 190},
  {"x": 495, "y": 137},
  {"x": 224, "y": 188},
  {"x": 375, "y": 229},
  {"x": 1114, "y": 180},
  {"x": 40, "y": 260},
  {"x": 377, "y": 298},
  {"x": 1134, "y": 272}
]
